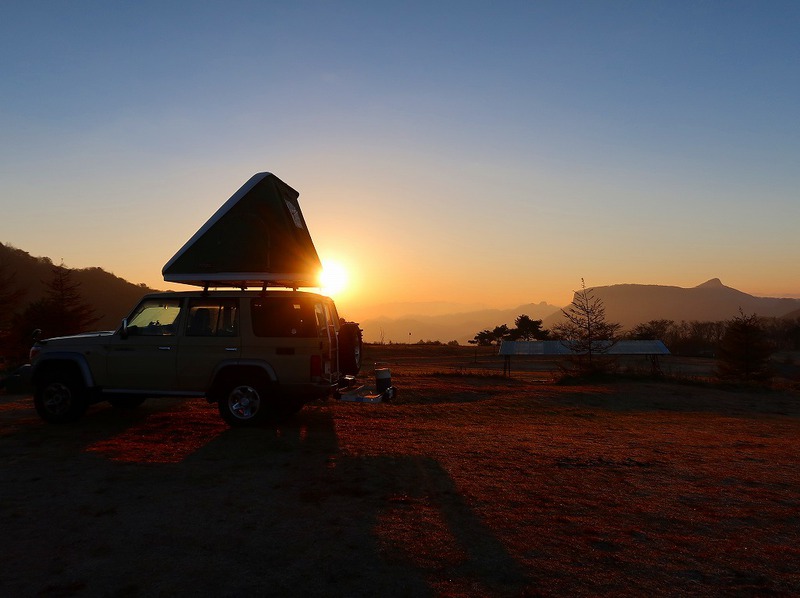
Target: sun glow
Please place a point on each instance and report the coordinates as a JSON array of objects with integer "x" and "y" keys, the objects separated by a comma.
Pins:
[{"x": 333, "y": 280}]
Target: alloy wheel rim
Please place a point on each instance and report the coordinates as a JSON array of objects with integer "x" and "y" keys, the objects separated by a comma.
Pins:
[
  {"x": 57, "y": 398},
  {"x": 244, "y": 402}
]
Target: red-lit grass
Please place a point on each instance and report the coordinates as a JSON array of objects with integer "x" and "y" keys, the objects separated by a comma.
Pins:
[
  {"x": 467, "y": 485},
  {"x": 599, "y": 490},
  {"x": 164, "y": 437}
]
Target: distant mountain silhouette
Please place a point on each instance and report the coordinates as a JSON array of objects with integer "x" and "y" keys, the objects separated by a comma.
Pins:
[
  {"x": 415, "y": 309},
  {"x": 460, "y": 327},
  {"x": 628, "y": 304},
  {"x": 792, "y": 315},
  {"x": 111, "y": 296},
  {"x": 632, "y": 304}
]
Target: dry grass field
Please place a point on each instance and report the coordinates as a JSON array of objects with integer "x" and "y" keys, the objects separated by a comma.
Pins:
[{"x": 468, "y": 484}]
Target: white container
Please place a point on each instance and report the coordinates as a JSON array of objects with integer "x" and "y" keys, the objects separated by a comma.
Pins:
[{"x": 383, "y": 379}]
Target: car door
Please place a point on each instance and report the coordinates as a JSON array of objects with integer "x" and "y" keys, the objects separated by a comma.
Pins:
[
  {"x": 209, "y": 336},
  {"x": 142, "y": 357}
]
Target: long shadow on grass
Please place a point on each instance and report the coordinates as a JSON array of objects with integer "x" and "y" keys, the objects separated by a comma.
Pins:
[
  {"x": 421, "y": 520},
  {"x": 327, "y": 524},
  {"x": 269, "y": 511},
  {"x": 18, "y": 419}
]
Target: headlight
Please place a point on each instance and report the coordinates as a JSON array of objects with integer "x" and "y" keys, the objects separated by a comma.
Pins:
[{"x": 35, "y": 350}]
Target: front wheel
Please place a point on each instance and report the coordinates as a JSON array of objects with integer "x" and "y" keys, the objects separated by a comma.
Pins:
[{"x": 60, "y": 398}]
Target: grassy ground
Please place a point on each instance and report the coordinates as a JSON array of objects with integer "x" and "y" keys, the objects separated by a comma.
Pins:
[{"x": 469, "y": 484}]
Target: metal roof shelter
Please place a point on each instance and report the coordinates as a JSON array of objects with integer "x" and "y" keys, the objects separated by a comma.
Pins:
[
  {"x": 257, "y": 238},
  {"x": 649, "y": 348}
]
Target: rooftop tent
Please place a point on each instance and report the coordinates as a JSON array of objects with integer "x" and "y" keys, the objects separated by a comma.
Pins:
[{"x": 258, "y": 237}]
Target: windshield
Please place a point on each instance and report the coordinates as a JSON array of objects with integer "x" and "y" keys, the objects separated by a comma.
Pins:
[{"x": 155, "y": 317}]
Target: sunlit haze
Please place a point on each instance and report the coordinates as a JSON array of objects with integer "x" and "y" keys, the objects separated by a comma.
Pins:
[
  {"x": 478, "y": 154},
  {"x": 333, "y": 279}
]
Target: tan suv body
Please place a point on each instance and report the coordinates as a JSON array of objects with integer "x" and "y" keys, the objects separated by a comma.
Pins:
[{"x": 259, "y": 355}]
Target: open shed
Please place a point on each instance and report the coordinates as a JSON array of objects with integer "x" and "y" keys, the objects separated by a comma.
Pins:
[{"x": 650, "y": 348}]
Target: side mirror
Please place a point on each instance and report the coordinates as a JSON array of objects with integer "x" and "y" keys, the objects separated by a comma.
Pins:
[
  {"x": 37, "y": 334},
  {"x": 123, "y": 331}
]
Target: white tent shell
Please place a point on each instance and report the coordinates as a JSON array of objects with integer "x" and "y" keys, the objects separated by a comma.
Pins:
[{"x": 257, "y": 238}]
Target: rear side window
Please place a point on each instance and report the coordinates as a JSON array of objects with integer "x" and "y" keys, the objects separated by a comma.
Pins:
[
  {"x": 283, "y": 317},
  {"x": 213, "y": 317}
]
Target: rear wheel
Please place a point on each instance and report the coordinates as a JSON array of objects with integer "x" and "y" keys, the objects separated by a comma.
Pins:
[
  {"x": 60, "y": 397},
  {"x": 350, "y": 349},
  {"x": 244, "y": 403}
]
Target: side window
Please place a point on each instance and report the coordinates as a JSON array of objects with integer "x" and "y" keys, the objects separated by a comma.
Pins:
[
  {"x": 155, "y": 317},
  {"x": 283, "y": 317},
  {"x": 322, "y": 320},
  {"x": 332, "y": 322},
  {"x": 213, "y": 317},
  {"x": 325, "y": 323}
]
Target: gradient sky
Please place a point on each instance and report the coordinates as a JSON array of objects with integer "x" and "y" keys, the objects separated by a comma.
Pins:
[{"x": 483, "y": 153}]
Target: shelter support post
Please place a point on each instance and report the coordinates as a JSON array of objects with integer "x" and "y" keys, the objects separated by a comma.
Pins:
[
  {"x": 656, "y": 367},
  {"x": 507, "y": 365}
]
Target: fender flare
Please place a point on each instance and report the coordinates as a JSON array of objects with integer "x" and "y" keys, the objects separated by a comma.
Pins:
[
  {"x": 223, "y": 366},
  {"x": 76, "y": 359}
]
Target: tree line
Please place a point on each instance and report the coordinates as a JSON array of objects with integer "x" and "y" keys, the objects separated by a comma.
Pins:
[
  {"x": 691, "y": 339},
  {"x": 742, "y": 345}
]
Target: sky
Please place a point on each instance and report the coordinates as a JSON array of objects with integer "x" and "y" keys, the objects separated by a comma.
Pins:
[{"x": 475, "y": 153}]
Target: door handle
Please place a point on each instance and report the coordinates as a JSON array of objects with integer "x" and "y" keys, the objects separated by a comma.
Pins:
[
  {"x": 231, "y": 348},
  {"x": 164, "y": 348}
]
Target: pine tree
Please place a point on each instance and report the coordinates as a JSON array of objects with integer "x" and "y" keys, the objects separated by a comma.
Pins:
[
  {"x": 527, "y": 329},
  {"x": 68, "y": 312},
  {"x": 10, "y": 296},
  {"x": 62, "y": 310},
  {"x": 744, "y": 352}
]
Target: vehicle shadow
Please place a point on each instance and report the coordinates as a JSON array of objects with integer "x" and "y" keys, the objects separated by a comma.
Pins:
[
  {"x": 268, "y": 511},
  {"x": 18, "y": 416},
  {"x": 357, "y": 525}
]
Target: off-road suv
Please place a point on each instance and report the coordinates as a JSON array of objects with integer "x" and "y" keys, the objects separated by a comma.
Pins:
[{"x": 259, "y": 355}]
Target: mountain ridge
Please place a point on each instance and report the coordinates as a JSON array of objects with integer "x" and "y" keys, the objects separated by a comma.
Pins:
[
  {"x": 632, "y": 304},
  {"x": 111, "y": 296},
  {"x": 627, "y": 303}
]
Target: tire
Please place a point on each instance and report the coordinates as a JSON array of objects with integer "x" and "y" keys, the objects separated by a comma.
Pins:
[
  {"x": 245, "y": 402},
  {"x": 126, "y": 402},
  {"x": 350, "y": 349},
  {"x": 60, "y": 397}
]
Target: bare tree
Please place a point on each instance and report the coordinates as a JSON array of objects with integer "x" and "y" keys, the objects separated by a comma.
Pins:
[{"x": 585, "y": 330}]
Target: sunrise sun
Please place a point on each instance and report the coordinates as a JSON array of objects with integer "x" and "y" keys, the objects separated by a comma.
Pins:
[{"x": 333, "y": 280}]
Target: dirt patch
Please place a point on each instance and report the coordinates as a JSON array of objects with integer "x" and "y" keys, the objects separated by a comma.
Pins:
[{"x": 467, "y": 485}]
